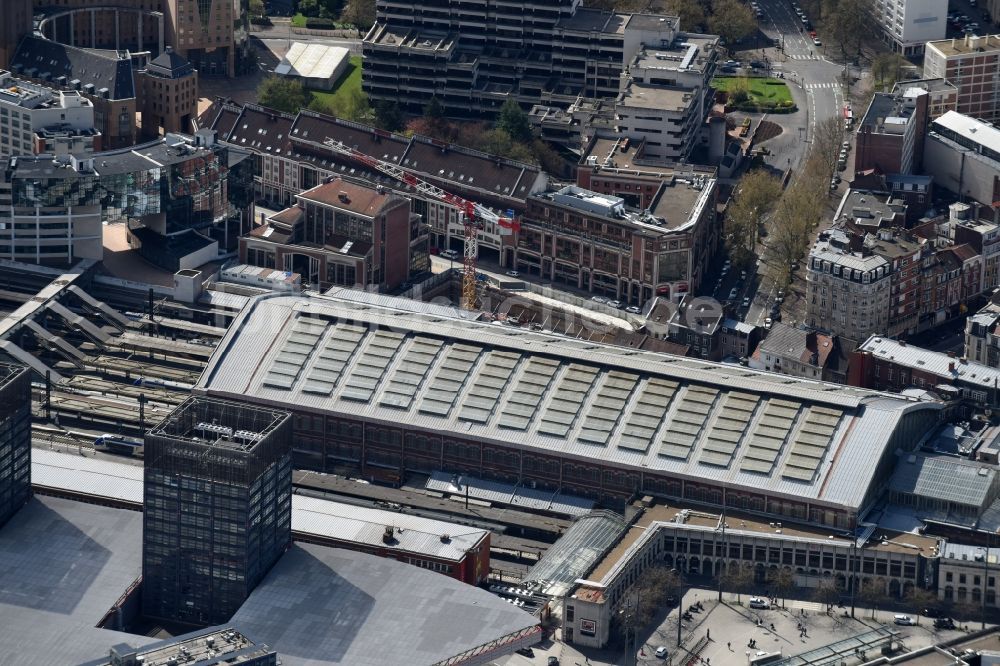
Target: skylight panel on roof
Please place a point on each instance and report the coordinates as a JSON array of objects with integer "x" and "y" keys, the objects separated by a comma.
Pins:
[{"x": 688, "y": 422}]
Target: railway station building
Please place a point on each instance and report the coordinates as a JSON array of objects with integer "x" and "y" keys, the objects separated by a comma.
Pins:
[{"x": 382, "y": 387}]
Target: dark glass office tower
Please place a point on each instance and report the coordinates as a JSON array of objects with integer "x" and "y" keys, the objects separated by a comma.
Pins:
[
  {"x": 15, "y": 439},
  {"x": 218, "y": 497}
]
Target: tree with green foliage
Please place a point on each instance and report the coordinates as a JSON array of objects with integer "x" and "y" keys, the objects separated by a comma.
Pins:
[
  {"x": 887, "y": 69},
  {"x": 514, "y": 121},
  {"x": 731, "y": 20},
  {"x": 360, "y": 13},
  {"x": 434, "y": 110},
  {"x": 690, "y": 12},
  {"x": 388, "y": 116},
  {"x": 281, "y": 94},
  {"x": 351, "y": 106},
  {"x": 257, "y": 9}
]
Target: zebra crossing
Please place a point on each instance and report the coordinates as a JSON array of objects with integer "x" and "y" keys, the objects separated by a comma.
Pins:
[
  {"x": 815, "y": 86},
  {"x": 802, "y": 56}
]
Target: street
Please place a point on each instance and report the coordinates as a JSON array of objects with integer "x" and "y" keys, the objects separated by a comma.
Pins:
[{"x": 817, "y": 87}]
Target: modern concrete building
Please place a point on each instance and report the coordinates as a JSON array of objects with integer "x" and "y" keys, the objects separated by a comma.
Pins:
[
  {"x": 473, "y": 57},
  {"x": 908, "y": 24},
  {"x": 666, "y": 95},
  {"x": 982, "y": 335},
  {"x": 969, "y": 63},
  {"x": 182, "y": 197},
  {"x": 72, "y": 223},
  {"x": 437, "y": 392},
  {"x": 217, "y": 508},
  {"x": 342, "y": 234},
  {"x": 35, "y": 119},
  {"x": 15, "y": 439},
  {"x": 963, "y": 155},
  {"x": 105, "y": 78}
]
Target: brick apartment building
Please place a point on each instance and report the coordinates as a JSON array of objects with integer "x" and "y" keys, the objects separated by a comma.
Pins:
[
  {"x": 893, "y": 365},
  {"x": 339, "y": 233},
  {"x": 969, "y": 63},
  {"x": 891, "y": 133}
]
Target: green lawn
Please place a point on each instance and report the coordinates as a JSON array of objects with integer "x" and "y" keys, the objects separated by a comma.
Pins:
[
  {"x": 298, "y": 21},
  {"x": 350, "y": 80},
  {"x": 761, "y": 89}
]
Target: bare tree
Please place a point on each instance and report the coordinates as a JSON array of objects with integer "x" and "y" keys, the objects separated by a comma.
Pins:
[
  {"x": 782, "y": 581},
  {"x": 756, "y": 197},
  {"x": 826, "y": 144},
  {"x": 738, "y": 579},
  {"x": 922, "y": 599},
  {"x": 873, "y": 593},
  {"x": 731, "y": 20},
  {"x": 827, "y": 592}
]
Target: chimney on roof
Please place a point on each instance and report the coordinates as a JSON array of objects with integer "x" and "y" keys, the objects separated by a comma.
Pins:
[
  {"x": 343, "y": 197},
  {"x": 951, "y": 366},
  {"x": 389, "y": 535}
]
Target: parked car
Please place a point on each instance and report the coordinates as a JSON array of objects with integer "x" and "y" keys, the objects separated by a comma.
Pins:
[
  {"x": 598, "y": 299},
  {"x": 615, "y": 304},
  {"x": 661, "y": 652},
  {"x": 944, "y": 623},
  {"x": 553, "y": 661},
  {"x": 768, "y": 322},
  {"x": 732, "y": 294},
  {"x": 449, "y": 254},
  {"x": 817, "y": 41},
  {"x": 846, "y": 145},
  {"x": 759, "y": 602},
  {"x": 525, "y": 652},
  {"x": 756, "y": 64},
  {"x": 905, "y": 620},
  {"x": 513, "y": 273},
  {"x": 634, "y": 309},
  {"x": 746, "y": 301}
]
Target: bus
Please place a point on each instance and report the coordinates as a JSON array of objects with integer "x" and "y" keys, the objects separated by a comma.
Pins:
[{"x": 118, "y": 444}]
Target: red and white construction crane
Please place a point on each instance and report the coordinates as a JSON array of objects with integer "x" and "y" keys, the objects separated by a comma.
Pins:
[{"x": 474, "y": 215}]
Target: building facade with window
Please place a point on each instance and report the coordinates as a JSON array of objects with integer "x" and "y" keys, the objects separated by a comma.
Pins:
[
  {"x": 342, "y": 234},
  {"x": 968, "y": 573},
  {"x": 15, "y": 439},
  {"x": 970, "y": 64},
  {"x": 217, "y": 503},
  {"x": 629, "y": 235},
  {"x": 29, "y": 112},
  {"x": 472, "y": 58},
  {"x": 700, "y": 543}
]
